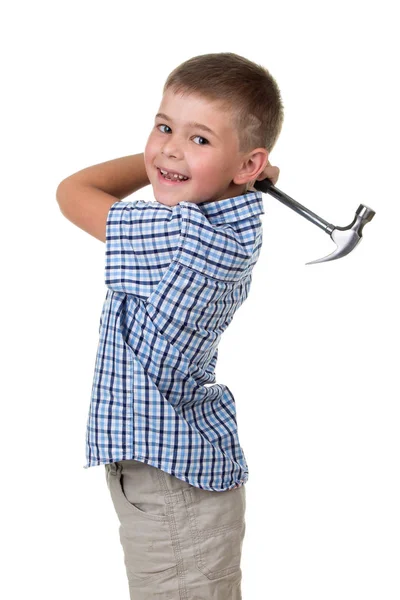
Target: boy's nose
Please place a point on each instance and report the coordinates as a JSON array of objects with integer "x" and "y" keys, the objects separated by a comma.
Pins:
[
  {"x": 169, "y": 154},
  {"x": 171, "y": 149}
]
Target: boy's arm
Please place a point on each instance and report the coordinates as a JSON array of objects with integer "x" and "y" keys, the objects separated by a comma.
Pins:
[{"x": 85, "y": 197}]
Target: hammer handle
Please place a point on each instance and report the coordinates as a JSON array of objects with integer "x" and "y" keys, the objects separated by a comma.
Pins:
[{"x": 266, "y": 186}]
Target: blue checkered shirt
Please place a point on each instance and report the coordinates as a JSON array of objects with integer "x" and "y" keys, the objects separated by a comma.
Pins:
[{"x": 175, "y": 275}]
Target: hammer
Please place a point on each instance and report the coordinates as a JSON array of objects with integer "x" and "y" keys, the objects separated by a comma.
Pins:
[{"x": 345, "y": 238}]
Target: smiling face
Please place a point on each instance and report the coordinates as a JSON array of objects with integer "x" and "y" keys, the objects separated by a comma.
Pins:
[{"x": 178, "y": 143}]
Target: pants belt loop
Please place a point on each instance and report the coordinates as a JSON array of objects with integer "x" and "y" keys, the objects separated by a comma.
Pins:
[{"x": 113, "y": 467}]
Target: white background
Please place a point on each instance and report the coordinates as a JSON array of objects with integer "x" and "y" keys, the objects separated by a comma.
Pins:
[{"x": 312, "y": 355}]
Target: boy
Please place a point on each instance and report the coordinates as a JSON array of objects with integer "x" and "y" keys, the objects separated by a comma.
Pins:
[{"x": 177, "y": 269}]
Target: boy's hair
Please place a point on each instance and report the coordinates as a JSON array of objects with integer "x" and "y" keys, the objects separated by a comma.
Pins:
[{"x": 247, "y": 90}]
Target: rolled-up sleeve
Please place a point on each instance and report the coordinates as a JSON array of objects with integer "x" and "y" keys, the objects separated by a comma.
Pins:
[{"x": 142, "y": 239}]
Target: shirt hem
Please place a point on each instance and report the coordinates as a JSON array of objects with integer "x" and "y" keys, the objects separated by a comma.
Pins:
[{"x": 234, "y": 485}]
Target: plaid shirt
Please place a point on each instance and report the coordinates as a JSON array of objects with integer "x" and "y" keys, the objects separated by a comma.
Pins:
[{"x": 175, "y": 275}]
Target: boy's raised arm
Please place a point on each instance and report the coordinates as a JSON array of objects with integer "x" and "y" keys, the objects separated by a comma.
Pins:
[{"x": 85, "y": 197}]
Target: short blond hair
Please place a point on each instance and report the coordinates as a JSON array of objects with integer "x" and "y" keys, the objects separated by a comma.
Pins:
[{"x": 239, "y": 85}]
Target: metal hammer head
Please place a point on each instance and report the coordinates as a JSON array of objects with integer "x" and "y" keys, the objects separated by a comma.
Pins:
[{"x": 347, "y": 238}]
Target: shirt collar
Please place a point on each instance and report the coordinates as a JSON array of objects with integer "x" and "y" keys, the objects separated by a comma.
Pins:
[{"x": 233, "y": 209}]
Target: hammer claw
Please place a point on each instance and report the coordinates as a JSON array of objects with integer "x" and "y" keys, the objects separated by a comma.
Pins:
[
  {"x": 337, "y": 253},
  {"x": 345, "y": 238}
]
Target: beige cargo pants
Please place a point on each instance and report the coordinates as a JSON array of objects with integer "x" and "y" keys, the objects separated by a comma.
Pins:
[{"x": 179, "y": 542}]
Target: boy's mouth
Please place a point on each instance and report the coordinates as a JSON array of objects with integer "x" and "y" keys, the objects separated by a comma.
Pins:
[{"x": 170, "y": 179}]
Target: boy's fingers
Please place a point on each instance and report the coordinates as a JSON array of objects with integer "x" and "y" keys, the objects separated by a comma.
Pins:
[{"x": 271, "y": 173}]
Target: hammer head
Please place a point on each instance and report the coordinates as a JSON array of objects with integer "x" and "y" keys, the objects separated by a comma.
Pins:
[{"x": 347, "y": 238}]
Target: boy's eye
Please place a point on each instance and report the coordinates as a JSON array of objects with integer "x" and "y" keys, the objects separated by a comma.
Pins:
[
  {"x": 205, "y": 141},
  {"x": 162, "y": 126},
  {"x": 199, "y": 136}
]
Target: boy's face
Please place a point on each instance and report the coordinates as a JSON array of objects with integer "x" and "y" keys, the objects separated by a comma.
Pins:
[{"x": 211, "y": 161}]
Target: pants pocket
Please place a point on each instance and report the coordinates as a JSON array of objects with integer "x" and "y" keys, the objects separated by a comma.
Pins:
[
  {"x": 145, "y": 536},
  {"x": 131, "y": 495},
  {"x": 217, "y": 525}
]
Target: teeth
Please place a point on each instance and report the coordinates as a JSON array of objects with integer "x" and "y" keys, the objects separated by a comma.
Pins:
[{"x": 175, "y": 176}]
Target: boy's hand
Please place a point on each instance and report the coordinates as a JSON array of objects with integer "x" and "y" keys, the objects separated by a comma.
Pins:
[{"x": 269, "y": 172}]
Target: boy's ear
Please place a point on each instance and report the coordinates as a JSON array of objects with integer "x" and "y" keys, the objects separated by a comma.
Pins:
[{"x": 253, "y": 164}]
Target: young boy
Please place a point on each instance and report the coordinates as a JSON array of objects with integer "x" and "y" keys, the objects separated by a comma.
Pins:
[{"x": 177, "y": 269}]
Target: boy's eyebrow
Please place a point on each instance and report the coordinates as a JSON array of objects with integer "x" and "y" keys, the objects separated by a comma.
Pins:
[{"x": 191, "y": 124}]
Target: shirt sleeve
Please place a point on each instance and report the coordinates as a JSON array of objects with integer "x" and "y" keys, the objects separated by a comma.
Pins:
[
  {"x": 142, "y": 239},
  {"x": 225, "y": 251}
]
